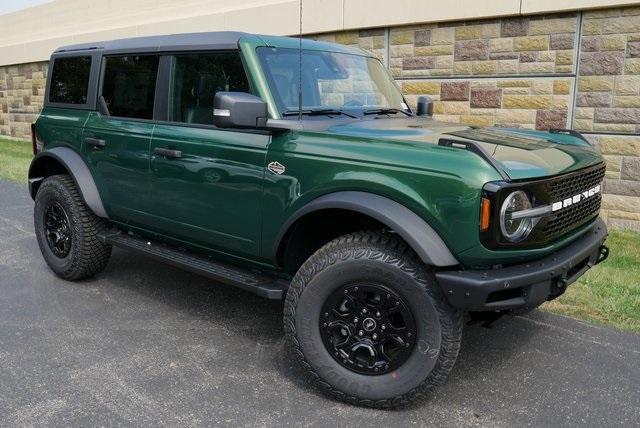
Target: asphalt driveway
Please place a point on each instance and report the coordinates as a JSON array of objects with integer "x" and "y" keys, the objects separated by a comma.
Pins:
[{"x": 148, "y": 344}]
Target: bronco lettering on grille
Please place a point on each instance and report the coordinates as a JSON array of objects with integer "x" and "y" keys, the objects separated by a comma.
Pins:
[{"x": 575, "y": 199}]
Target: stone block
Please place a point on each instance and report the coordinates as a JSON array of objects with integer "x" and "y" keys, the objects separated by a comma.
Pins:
[
  {"x": 595, "y": 83},
  {"x": 619, "y": 145},
  {"x": 516, "y": 116},
  {"x": 542, "y": 86},
  {"x": 618, "y": 115},
  {"x": 347, "y": 38},
  {"x": 627, "y": 85},
  {"x": 537, "y": 102},
  {"x": 564, "y": 57},
  {"x": 508, "y": 66},
  {"x": 591, "y": 27},
  {"x": 616, "y": 42},
  {"x": 501, "y": 45},
  {"x": 486, "y": 98},
  {"x": 433, "y": 50},
  {"x": 471, "y": 50},
  {"x": 484, "y": 67},
  {"x": 512, "y": 27},
  {"x": 632, "y": 66},
  {"x": 418, "y": 63},
  {"x": 462, "y": 67},
  {"x": 633, "y": 49},
  {"x": 455, "y": 91},
  {"x": 443, "y": 36},
  {"x": 422, "y": 37},
  {"x": 531, "y": 43},
  {"x": 630, "y": 169},
  {"x": 601, "y": 63},
  {"x": 537, "y": 67},
  {"x": 561, "y": 41},
  {"x": 593, "y": 99},
  {"x": 514, "y": 83},
  {"x": 468, "y": 32},
  {"x": 548, "y": 119},
  {"x": 627, "y": 24},
  {"x": 528, "y": 56},
  {"x": 456, "y": 107},
  {"x": 419, "y": 88},
  {"x": 561, "y": 87},
  {"x": 626, "y": 101},
  {"x": 584, "y": 112},
  {"x": 590, "y": 43},
  {"x": 401, "y": 37},
  {"x": 552, "y": 26},
  {"x": 476, "y": 120}
]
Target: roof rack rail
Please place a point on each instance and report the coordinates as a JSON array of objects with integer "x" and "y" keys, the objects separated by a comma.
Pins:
[{"x": 571, "y": 132}]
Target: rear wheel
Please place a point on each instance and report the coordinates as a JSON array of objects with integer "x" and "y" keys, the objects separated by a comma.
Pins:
[
  {"x": 369, "y": 323},
  {"x": 67, "y": 230}
]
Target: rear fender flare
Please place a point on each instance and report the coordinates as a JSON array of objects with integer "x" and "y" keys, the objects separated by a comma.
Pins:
[{"x": 76, "y": 167}]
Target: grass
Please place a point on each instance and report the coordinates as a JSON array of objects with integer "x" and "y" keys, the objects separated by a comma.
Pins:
[
  {"x": 15, "y": 157},
  {"x": 608, "y": 294}
]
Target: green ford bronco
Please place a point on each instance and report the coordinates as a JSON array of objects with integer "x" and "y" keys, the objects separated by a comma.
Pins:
[{"x": 295, "y": 170}]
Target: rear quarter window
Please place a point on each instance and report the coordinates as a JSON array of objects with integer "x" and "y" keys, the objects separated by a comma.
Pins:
[
  {"x": 70, "y": 80},
  {"x": 129, "y": 85}
]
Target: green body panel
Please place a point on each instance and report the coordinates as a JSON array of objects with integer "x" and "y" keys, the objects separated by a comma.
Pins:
[
  {"x": 121, "y": 168},
  {"x": 220, "y": 197},
  {"x": 211, "y": 195}
]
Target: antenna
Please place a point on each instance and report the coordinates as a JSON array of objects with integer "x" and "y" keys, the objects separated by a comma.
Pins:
[{"x": 300, "y": 67}]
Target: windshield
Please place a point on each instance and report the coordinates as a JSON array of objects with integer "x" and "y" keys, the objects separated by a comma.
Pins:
[{"x": 330, "y": 81}]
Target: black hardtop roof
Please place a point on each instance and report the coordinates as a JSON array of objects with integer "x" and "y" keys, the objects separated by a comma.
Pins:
[{"x": 173, "y": 42}]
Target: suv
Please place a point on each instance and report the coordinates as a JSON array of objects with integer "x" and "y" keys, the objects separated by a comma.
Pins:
[{"x": 294, "y": 169}]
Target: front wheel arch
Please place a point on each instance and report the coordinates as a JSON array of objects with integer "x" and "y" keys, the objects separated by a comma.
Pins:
[{"x": 415, "y": 231}]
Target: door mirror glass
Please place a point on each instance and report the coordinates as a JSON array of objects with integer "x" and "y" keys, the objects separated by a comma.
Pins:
[{"x": 239, "y": 110}]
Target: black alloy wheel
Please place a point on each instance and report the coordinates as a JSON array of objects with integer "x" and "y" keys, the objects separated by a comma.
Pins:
[
  {"x": 368, "y": 328},
  {"x": 57, "y": 229}
]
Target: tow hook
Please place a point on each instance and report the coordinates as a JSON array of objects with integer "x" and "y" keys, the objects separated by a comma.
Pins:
[{"x": 604, "y": 253}]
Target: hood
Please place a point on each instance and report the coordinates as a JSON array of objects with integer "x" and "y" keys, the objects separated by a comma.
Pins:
[{"x": 519, "y": 153}]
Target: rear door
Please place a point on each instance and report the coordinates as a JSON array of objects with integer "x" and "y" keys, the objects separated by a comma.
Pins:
[
  {"x": 206, "y": 183},
  {"x": 116, "y": 146}
]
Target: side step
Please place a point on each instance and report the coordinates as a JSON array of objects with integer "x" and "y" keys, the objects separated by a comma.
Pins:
[{"x": 262, "y": 285}]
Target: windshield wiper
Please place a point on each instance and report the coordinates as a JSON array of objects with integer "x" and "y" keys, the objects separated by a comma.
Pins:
[
  {"x": 318, "y": 112},
  {"x": 386, "y": 111}
]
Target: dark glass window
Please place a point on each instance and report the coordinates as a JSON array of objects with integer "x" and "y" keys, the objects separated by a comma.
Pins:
[
  {"x": 129, "y": 85},
  {"x": 70, "y": 80},
  {"x": 195, "y": 81}
]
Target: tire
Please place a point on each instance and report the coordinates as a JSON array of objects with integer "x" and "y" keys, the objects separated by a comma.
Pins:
[
  {"x": 384, "y": 260},
  {"x": 82, "y": 255}
]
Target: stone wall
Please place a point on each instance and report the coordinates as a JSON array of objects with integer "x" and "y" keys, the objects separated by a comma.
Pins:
[
  {"x": 579, "y": 70},
  {"x": 576, "y": 70},
  {"x": 21, "y": 97}
]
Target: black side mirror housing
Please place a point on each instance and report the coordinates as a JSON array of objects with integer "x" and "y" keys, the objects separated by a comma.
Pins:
[
  {"x": 425, "y": 106},
  {"x": 239, "y": 110}
]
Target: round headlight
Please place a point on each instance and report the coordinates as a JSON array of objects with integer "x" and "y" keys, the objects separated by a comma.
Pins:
[{"x": 515, "y": 229}]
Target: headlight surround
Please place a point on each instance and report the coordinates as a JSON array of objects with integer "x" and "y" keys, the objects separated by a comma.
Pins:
[{"x": 515, "y": 230}]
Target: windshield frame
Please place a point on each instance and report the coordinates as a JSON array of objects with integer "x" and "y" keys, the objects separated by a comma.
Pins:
[{"x": 282, "y": 109}]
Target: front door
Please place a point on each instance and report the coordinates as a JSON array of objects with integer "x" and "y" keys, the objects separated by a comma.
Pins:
[
  {"x": 206, "y": 183},
  {"x": 116, "y": 146}
]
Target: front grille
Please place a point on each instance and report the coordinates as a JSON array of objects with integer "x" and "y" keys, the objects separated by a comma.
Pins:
[
  {"x": 565, "y": 187},
  {"x": 571, "y": 217}
]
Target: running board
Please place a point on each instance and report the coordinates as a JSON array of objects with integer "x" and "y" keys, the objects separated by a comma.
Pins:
[{"x": 260, "y": 284}]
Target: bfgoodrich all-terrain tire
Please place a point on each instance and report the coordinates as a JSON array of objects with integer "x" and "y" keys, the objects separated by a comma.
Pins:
[
  {"x": 368, "y": 322},
  {"x": 67, "y": 230}
]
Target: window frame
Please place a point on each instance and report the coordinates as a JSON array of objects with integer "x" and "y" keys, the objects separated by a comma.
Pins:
[
  {"x": 92, "y": 84},
  {"x": 161, "y": 107},
  {"x": 103, "y": 67}
]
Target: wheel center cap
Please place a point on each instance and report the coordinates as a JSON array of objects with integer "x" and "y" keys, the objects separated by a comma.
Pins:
[{"x": 369, "y": 324}]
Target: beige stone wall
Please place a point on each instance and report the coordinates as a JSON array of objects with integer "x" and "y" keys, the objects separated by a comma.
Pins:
[{"x": 21, "y": 98}]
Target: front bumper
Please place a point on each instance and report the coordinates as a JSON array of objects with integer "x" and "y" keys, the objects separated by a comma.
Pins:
[{"x": 525, "y": 286}]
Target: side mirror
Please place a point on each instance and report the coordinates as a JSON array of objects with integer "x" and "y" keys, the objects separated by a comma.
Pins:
[
  {"x": 425, "y": 106},
  {"x": 239, "y": 110}
]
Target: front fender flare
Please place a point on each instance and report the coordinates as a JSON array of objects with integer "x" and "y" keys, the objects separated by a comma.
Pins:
[
  {"x": 78, "y": 170},
  {"x": 413, "y": 229}
]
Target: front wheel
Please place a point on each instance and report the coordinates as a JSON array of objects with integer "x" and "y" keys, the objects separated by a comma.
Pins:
[{"x": 369, "y": 323}]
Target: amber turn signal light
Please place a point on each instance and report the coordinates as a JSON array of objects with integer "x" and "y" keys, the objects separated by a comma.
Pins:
[{"x": 485, "y": 214}]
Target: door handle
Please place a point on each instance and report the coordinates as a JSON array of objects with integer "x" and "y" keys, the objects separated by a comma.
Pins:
[
  {"x": 167, "y": 153},
  {"x": 96, "y": 142}
]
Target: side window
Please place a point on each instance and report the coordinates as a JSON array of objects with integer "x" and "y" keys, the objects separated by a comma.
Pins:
[
  {"x": 129, "y": 85},
  {"x": 195, "y": 80},
  {"x": 70, "y": 80}
]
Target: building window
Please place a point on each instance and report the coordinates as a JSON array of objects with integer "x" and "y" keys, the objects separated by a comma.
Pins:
[
  {"x": 129, "y": 85},
  {"x": 195, "y": 81},
  {"x": 70, "y": 80}
]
